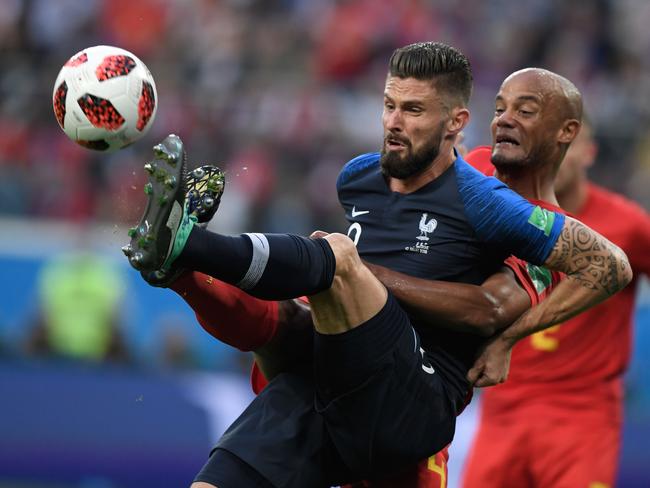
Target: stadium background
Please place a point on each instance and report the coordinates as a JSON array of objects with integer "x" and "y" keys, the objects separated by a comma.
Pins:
[{"x": 281, "y": 93}]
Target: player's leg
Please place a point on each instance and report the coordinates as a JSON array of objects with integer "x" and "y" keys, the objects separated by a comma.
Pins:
[
  {"x": 500, "y": 454},
  {"x": 227, "y": 313},
  {"x": 356, "y": 300},
  {"x": 281, "y": 438},
  {"x": 167, "y": 238},
  {"x": 364, "y": 370},
  {"x": 291, "y": 346},
  {"x": 226, "y": 470},
  {"x": 376, "y": 339},
  {"x": 360, "y": 333},
  {"x": 354, "y": 296},
  {"x": 268, "y": 266},
  {"x": 279, "y": 332},
  {"x": 344, "y": 293},
  {"x": 385, "y": 406},
  {"x": 576, "y": 450}
]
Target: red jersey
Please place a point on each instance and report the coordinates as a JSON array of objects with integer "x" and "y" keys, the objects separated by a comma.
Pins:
[{"x": 579, "y": 364}]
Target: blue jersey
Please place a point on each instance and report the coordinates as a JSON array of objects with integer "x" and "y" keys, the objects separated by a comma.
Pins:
[{"x": 459, "y": 227}]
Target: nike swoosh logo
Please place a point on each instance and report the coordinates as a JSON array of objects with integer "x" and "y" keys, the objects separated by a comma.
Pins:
[{"x": 356, "y": 213}]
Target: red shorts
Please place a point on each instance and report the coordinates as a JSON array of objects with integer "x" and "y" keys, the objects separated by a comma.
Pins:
[{"x": 541, "y": 451}]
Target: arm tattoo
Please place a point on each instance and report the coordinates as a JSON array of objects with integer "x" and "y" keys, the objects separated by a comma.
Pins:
[{"x": 590, "y": 258}]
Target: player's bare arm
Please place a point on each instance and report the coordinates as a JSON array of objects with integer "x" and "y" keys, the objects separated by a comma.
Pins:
[
  {"x": 595, "y": 268},
  {"x": 481, "y": 310},
  {"x": 589, "y": 258}
]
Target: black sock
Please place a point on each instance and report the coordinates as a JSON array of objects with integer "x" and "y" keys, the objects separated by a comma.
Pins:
[{"x": 267, "y": 266}]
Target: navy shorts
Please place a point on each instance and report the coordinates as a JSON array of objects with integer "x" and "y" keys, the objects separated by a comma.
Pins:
[
  {"x": 225, "y": 470},
  {"x": 372, "y": 405},
  {"x": 383, "y": 403},
  {"x": 285, "y": 440}
]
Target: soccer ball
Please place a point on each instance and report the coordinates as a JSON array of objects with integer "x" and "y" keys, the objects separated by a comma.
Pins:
[{"x": 104, "y": 98}]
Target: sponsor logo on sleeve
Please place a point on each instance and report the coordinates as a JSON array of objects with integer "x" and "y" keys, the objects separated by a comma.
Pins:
[{"x": 542, "y": 219}]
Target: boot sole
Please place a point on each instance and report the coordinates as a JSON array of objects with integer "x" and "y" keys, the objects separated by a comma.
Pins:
[{"x": 152, "y": 238}]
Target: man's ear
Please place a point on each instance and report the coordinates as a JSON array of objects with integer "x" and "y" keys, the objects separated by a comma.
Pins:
[
  {"x": 569, "y": 131},
  {"x": 458, "y": 120}
]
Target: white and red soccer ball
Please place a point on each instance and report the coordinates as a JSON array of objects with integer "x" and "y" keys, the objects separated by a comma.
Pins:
[{"x": 104, "y": 98}]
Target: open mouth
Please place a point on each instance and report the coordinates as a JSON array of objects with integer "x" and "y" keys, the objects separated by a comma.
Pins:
[
  {"x": 395, "y": 144},
  {"x": 506, "y": 141}
]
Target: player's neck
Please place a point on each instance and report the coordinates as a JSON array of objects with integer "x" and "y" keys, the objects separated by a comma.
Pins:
[
  {"x": 573, "y": 198},
  {"x": 439, "y": 165},
  {"x": 532, "y": 185}
]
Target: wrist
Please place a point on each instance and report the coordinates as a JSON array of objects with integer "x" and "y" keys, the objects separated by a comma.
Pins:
[{"x": 508, "y": 339}]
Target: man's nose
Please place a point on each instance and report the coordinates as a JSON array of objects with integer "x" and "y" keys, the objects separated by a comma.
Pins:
[
  {"x": 505, "y": 119},
  {"x": 394, "y": 121}
]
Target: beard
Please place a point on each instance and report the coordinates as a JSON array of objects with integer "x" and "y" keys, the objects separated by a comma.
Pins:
[
  {"x": 413, "y": 163},
  {"x": 536, "y": 157},
  {"x": 505, "y": 164}
]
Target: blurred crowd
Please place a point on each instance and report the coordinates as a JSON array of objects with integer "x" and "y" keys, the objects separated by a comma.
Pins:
[{"x": 283, "y": 92}]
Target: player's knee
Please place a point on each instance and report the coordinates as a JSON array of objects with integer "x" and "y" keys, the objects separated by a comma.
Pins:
[{"x": 345, "y": 252}]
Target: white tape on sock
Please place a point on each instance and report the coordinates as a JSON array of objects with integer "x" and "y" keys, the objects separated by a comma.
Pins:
[{"x": 258, "y": 263}]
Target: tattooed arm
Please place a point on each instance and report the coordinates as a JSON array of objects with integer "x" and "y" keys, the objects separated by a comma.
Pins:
[{"x": 595, "y": 269}]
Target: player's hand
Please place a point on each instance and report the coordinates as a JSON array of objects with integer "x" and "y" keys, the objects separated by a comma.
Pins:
[
  {"x": 492, "y": 364},
  {"x": 318, "y": 233}
]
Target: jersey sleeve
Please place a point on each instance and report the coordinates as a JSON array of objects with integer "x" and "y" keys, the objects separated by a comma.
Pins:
[
  {"x": 519, "y": 268},
  {"x": 355, "y": 166},
  {"x": 537, "y": 281},
  {"x": 502, "y": 218}
]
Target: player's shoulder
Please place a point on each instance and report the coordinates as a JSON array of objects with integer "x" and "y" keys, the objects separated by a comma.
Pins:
[
  {"x": 357, "y": 166},
  {"x": 481, "y": 158},
  {"x": 549, "y": 206},
  {"x": 608, "y": 199},
  {"x": 470, "y": 179}
]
